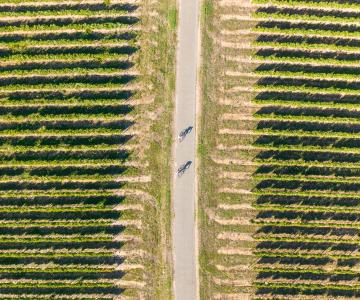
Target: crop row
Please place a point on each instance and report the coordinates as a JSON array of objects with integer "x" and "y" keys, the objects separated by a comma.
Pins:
[
  {"x": 306, "y": 181},
  {"x": 68, "y": 22},
  {"x": 311, "y": 125},
  {"x": 308, "y": 69},
  {"x": 68, "y": 80},
  {"x": 323, "y": 29},
  {"x": 306, "y": 97},
  {"x": 64, "y": 109},
  {"x": 65, "y": 36},
  {"x": 63, "y": 125},
  {"x": 307, "y": 184},
  {"x": 104, "y": 116},
  {"x": 256, "y": 147},
  {"x": 61, "y": 290},
  {"x": 112, "y": 23},
  {"x": 75, "y": 65},
  {"x": 306, "y": 104},
  {"x": 64, "y": 230},
  {"x": 71, "y": 223},
  {"x": 297, "y": 54},
  {"x": 118, "y": 78},
  {"x": 56, "y": 253},
  {"x": 302, "y": 156},
  {"x": 308, "y": 171},
  {"x": 314, "y": 290},
  {"x": 308, "y": 248},
  {"x": 56, "y": 245},
  {"x": 92, "y": 198},
  {"x": 325, "y": 142},
  {"x": 333, "y": 4},
  {"x": 65, "y": 80},
  {"x": 308, "y": 13},
  {"x": 79, "y": 140},
  {"x": 309, "y": 83},
  {"x": 67, "y": 162},
  {"x": 53, "y": 12},
  {"x": 62, "y": 7},
  {"x": 312, "y": 87},
  {"x": 61, "y": 171},
  {"x": 308, "y": 43},
  {"x": 294, "y": 73},
  {"x": 87, "y": 48},
  {"x": 306, "y": 40},
  {"x": 301, "y": 112}
]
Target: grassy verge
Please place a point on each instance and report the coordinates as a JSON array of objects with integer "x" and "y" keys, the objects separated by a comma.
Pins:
[
  {"x": 208, "y": 127},
  {"x": 159, "y": 63}
]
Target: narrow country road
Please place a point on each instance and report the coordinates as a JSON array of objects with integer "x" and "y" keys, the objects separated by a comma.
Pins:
[{"x": 184, "y": 226}]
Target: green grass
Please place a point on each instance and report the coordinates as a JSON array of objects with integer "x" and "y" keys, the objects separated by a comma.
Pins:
[{"x": 173, "y": 18}]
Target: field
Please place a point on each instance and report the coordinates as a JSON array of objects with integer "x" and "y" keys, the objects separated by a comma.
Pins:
[
  {"x": 85, "y": 94},
  {"x": 279, "y": 147}
]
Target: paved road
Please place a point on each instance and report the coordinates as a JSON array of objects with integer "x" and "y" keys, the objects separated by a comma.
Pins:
[{"x": 185, "y": 281}]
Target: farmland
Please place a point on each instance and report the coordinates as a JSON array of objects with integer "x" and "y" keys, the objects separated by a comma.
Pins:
[
  {"x": 85, "y": 94},
  {"x": 279, "y": 147}
]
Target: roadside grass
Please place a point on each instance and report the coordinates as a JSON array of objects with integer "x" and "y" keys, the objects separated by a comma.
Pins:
[
  {"x": 208, "y": 131},
  {"x": 160, "y": 62},
  {"x": 172, "y": 17},
  {"x": 214, "y": 83}
]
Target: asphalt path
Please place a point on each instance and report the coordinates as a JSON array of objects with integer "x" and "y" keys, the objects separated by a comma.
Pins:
[{"x": 184, "y": 224}]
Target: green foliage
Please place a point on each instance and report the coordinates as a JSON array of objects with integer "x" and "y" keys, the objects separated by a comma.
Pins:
[
  {"x": 202, "y": 151},
  {"x": 69, "y": 95},
  {"x": 299, "y": 31},
  {"x": 207, "y": 9},
  {"x": 305, "y": 17},
  {"x": 306, "y": 151},
  {"x": 310, "y": 3},
  {"x": 172, "y": 17}
]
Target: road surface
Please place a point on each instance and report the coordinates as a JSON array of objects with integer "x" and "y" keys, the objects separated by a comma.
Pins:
[{"x": 184, "y": 226}]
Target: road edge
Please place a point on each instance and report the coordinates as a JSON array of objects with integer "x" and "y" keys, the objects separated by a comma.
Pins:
[
  {"x": 173, "y": 158},
  {"x": 198, "y": 104}
]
